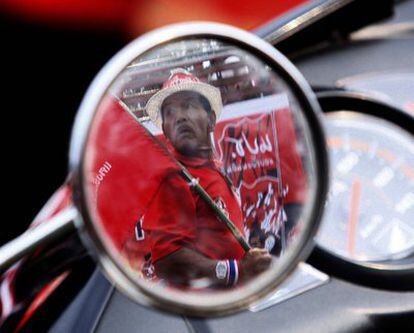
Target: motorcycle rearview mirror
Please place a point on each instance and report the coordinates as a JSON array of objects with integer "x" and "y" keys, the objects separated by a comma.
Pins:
[{"x": 199, "y": 168}]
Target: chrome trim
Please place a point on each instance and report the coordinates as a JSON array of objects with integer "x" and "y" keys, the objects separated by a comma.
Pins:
[
  {"x": 302, "y": 21},
  {"x": 42, "y": 234},
  {"x": 231, "y": 301},
  {"x": 304, "y": 278},
  {"x": 401, "y": 30}
]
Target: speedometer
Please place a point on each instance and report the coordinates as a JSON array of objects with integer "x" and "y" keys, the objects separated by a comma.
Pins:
[
  {"x": 369, "y": 215},
  {"x": 367, "y": 229}
]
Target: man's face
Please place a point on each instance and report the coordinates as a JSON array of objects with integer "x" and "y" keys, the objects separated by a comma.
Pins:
[{"x": 186, "y": 123}]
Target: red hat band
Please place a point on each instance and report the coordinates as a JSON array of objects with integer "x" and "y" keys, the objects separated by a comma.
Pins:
[{"x": 178, "y": 79}]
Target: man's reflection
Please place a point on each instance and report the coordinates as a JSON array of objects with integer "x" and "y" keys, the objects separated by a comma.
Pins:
[{"x": 187, "y": 241}]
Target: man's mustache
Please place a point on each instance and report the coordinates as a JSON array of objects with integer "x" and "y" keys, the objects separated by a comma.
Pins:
[
  {"x": 185, "y": 129},
  {"x": 205, "y": 148}
]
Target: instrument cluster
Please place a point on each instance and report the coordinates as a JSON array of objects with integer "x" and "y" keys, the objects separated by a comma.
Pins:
[{"x": 367, "y": 230}]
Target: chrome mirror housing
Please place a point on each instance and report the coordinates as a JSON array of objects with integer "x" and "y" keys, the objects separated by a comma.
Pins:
[{"x": 199, "y": 169}]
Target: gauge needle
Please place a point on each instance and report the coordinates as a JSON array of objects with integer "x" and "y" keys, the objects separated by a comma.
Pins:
[{"x": 353, "y": 214}]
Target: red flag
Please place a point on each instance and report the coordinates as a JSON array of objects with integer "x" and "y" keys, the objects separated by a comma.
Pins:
[{"x": 124, "y": 167}]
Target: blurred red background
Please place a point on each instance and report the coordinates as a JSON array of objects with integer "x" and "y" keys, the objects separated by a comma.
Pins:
[{"x": 137, "y": 16}]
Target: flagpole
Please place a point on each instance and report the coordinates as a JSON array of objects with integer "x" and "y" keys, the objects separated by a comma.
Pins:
[{"x": 193, "y": 182}]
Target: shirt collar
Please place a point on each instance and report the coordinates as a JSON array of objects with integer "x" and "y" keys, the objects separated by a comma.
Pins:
[{"x": 196, "y": 161}]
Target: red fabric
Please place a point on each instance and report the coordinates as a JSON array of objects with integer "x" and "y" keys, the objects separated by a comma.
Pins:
[
  {"x": 294, "y": 180},
  {"x": 123, "y": 169},
  {"x": 177, "y": 217}
]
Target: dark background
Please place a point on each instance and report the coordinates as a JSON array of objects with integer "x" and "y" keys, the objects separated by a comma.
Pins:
[{"x": 45, "y": 72}]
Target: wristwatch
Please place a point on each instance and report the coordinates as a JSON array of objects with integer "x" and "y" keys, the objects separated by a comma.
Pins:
[{"x": 221, "y": 270}]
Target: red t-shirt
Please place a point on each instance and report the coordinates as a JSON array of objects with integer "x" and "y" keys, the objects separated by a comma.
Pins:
[{"x": 178, "y": 217}]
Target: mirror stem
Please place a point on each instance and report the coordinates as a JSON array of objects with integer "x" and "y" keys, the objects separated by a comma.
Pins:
[{"x": 43, "y": 234}]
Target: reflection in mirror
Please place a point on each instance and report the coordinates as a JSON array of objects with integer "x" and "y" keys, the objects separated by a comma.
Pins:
[{"x": 198, "y": 167}]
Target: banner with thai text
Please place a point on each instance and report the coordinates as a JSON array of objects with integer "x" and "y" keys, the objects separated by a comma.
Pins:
[{"x": 259, "y": 155}]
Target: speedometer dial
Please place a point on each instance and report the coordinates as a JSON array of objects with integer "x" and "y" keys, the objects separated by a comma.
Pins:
[{"x": 369, "y": 214}]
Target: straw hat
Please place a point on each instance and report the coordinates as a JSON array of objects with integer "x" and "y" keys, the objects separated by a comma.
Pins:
[{"x": 182, "y": 80}]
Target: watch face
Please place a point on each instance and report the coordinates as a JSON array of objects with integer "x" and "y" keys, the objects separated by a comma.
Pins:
[
  {"x": 270, "y": 242},
  {"x": 221, "y": 270}
]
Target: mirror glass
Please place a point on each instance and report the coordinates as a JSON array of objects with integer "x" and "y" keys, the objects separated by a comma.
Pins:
[{"x": 200, "y": 174}]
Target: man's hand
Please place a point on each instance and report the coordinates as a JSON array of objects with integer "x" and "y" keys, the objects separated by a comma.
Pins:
[
  {"x": 185, "y": 265},
  {"x": 255, "y": 262}
]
